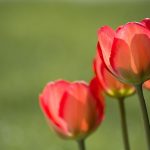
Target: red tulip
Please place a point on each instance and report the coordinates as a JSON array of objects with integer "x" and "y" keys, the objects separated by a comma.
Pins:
[
  {"x": 110, "y": 84},
  {"x": 71, "y": 108},
  {"x": 126, "y": 51}
]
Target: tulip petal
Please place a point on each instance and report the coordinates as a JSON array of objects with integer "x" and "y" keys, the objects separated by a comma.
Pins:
[
  {"x": 129, "y": 30},
  {"x": 140, "y": 47},
  {"x": 82, "y": 116},
  {"x": 50, "y": 100},
  {"x": 105, "y": 38},
  {"x": 96, "y": 89},
  {"x": 48, "y": 114},
  {"x": 104, "y": 74},
  {"x": 121, "y": 58},
  {"x": 98, "y": 69},
  {"x": 146, "y": 23}
]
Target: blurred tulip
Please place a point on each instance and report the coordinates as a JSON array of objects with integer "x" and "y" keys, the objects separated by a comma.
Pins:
[
  {"x": 111, "y": 85},
  {"x": 71, "y": 108},
  {"x": 97, "y": 89},
  {"x": 147, "y": 84},
  {"x": 114, "y": 88},
  {"x": 126, "y": 51}
]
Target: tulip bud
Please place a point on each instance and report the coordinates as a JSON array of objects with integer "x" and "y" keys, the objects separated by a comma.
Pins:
[{"x": 71, "y": 108}]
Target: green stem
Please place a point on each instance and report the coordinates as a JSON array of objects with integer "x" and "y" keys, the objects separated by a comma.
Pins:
[
  {"x": 124, "y": 124},
  {"x": 81, "y": 144},
  {"x": 144, "y": 112}
]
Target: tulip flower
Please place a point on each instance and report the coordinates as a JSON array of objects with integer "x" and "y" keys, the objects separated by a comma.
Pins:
[
  {"x": 71, "y": 109},
  {"x": 116, "y": 89},
  {"x": 126, "y": 54}
]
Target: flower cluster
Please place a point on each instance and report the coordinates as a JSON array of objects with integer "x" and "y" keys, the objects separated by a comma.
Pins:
[{"x": 121, "y": 66}]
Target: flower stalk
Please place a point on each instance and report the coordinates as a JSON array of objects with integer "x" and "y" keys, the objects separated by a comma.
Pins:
[
  {"x": 81, "y": 144},
  {"x": 144, "y": 112},
  {"x": 124, "y": 124}
]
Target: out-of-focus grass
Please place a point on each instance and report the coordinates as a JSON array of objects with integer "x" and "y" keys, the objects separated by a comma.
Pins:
[{"x": 47, "y": 41}]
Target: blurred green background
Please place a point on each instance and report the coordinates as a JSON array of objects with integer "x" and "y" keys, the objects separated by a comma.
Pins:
[{"x": 44, "y": 41}]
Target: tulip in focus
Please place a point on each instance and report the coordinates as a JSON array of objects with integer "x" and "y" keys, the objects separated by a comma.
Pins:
[
  {"x": 71, "y": 108},
  {"x": 126, "y": 51}
]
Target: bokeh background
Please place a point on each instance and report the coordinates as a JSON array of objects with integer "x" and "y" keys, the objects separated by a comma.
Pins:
[{"x": 41, "y": 41}]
